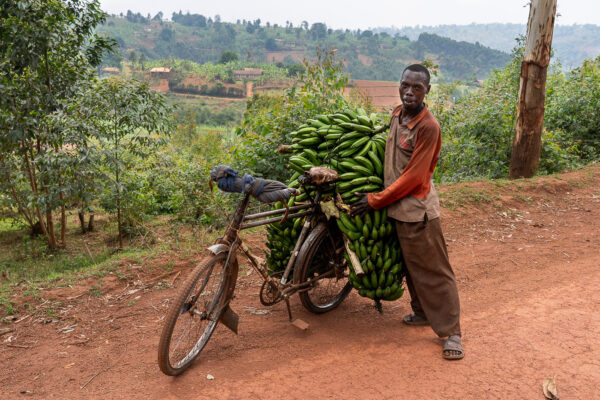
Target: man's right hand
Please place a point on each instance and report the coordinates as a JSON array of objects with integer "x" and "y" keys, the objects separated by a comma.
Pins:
[{"x": 361, "y": 207}]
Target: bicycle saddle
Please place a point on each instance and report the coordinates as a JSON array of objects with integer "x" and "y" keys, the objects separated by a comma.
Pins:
[
  {"x": 321, "y": 175},
  {"x": 264, "y": 190}
]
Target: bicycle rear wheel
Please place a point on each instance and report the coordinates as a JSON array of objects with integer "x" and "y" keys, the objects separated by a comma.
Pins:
[
  {"x": 317, "y": 263},
  {"x": 195, "y": 313}
]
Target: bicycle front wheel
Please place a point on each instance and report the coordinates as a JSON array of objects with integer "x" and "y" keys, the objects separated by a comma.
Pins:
[
  {"x": 320, "y": 264},
  {"x": 195, "y": 313}
]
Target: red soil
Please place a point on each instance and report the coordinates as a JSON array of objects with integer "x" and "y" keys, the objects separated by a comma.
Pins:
[{"x": 526, "y": 258}]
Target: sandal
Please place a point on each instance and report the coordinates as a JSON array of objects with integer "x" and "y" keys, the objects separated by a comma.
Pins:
[
  {"x": 415, "y": 319},
  {"x": 453, "y": 349}
]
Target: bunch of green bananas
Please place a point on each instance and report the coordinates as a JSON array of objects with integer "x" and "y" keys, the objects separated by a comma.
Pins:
[
  {"x": 281, "y": 239},
  {"x": 352, "y": 143},
  {"x": 373, "y": 240},
  {"x": 349, "y": 142}
]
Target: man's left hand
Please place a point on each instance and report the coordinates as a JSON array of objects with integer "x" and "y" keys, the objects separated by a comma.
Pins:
[{"x": 362, "y": 206}]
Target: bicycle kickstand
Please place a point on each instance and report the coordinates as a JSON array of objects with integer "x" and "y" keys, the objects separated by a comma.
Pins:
[{"x": 298, "y": 323}]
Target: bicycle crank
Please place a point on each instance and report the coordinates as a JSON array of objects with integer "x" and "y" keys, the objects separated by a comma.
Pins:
[{"x": 270, "y": 295}]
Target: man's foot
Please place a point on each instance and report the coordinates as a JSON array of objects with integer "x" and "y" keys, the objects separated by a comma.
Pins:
[
  {"x": 415, "y": 319},
  {"x": 453, "y": 349}
]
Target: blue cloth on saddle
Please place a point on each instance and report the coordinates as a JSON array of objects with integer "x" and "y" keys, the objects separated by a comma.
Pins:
[
  {"x": 265, "y": 190},
  {"x": 225, "y": 178}
]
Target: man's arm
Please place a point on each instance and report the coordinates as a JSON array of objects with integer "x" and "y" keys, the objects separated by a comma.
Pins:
[{"x": 417, "y": 172}]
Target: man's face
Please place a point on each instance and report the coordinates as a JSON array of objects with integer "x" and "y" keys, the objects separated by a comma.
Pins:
[{"x": 413, "y": 88}]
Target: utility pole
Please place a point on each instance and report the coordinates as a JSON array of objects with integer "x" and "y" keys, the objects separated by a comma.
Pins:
[{"x": 527, "y": 141}]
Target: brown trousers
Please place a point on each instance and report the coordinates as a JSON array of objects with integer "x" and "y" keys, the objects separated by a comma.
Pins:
[{"x": 429, "y": 276}]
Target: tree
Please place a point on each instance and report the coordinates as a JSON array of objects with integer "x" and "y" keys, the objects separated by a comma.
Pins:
[
  {"x": 166, "y": 34},
  {"x": 527, "y": 143},
  {"x": 271, "y": 44},
  {"x": 268, "y": 120},
  {"x": 318, "y": 31},
  {"x": 571, "y": 109},
  {"x": 228, "y": 56},
  {"x": 142, "y": 60},
  {"x": 48, "y": 49},
  {"x": 125, "y": 118}
]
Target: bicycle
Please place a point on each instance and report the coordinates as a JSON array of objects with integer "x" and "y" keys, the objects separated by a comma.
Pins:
[{"x": 320, "y": 276}]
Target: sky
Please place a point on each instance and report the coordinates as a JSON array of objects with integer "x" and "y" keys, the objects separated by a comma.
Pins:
[{"x": 354, "y": 14}]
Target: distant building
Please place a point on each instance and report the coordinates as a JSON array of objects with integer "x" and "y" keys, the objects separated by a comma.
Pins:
[
  {"x": 111, "y": 70},
  {"x": 247, "y": 73},
  {"x": 161, "y": 72},
  {"x": 291, "y": 45}
]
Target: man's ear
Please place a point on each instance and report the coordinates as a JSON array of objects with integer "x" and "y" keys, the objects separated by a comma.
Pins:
[{"x": 428, "y": 88}]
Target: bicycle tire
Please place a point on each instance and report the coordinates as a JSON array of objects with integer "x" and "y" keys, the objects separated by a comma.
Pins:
[
  {"x": 219, "y": 290},
  {"x": 316, "y": 250}
]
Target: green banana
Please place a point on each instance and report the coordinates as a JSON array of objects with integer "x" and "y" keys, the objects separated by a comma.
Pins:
[
  {"x": 376, "y": 162},
  {"x": 365, "y": 163},
  {"x": 324, "y": 119},
  {"x": 349, "y": 176},
  {"x": 347, "y": 221},
  {"x": 310, "y": 141},
  {"x": 364, "y": 120}
]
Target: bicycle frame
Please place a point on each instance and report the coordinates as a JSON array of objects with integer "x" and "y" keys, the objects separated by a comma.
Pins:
[{"x": 231, "y": 241}]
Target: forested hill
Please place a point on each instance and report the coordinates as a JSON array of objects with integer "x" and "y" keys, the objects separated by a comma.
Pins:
[
  {"x": 368, "y": 55},
  {"x": 571, "y": 43}
]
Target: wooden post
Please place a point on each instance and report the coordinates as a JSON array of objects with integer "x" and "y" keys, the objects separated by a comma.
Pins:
[{"x": 527, "y": 142}]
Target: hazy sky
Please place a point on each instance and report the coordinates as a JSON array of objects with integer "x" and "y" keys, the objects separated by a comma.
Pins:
[{"x": 354, "y": 14}]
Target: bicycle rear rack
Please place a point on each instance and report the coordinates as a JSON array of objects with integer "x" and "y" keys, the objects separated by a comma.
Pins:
[{"x": 280, "y": 211}]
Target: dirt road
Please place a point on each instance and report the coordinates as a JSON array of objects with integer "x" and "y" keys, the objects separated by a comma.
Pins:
[{"x": 526, "y": 256}]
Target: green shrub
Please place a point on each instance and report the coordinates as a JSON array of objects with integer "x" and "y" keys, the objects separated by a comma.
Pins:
[
  {"x": 572, "y": 110},
  {"x": 478, "y": 129}
]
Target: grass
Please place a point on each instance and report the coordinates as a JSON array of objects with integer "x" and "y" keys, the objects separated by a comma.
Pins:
[
  {"x": 8, "y": 225},
  {"x": 460, "y": 196},
  {"x": 27, "y": 265}
]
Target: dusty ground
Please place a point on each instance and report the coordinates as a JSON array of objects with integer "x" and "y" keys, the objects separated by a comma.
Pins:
[{"x": 526, "y": 257}]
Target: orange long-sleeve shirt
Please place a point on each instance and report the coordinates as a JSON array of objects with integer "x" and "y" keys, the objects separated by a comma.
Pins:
[{"x": 411, "y": 154}]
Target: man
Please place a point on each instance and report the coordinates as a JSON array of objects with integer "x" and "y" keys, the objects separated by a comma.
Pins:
[{"x": 411, "y": 154}]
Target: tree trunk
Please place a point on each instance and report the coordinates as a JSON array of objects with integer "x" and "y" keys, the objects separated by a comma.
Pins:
[
  {"x": 63, "y": 219},
  {"x": 119, "y": 210},
  {"x": 21, "y": 208},
  {"x": 33, "y": 185},
  {"x": 527, "y": 141},
  {"x": 81, "y": 216},
  {"x": 63, "y": 226},
  {"x": 36, "y": 229},
  {"x": 50, "y": 226},
  {"x": 91, "y": 223}
]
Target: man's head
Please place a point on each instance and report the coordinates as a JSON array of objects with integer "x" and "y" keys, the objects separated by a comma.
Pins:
[{"x": 414, "y": 85}]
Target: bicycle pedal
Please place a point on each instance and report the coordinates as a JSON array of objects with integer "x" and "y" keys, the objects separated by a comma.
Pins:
[{"x": 300, "y": 324}]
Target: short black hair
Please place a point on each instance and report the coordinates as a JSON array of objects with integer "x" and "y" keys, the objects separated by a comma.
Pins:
[{"x": 418, "y": 68}]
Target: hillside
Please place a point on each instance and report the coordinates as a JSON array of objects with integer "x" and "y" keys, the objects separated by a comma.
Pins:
[
  {"x": 572, "y": 43},
  {"x": 367, "y": 55}
]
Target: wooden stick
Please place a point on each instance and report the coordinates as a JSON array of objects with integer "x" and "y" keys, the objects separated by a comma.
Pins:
[
  {"x": 163, "y": 276},
  {"x": 175, "y": 278},
  {"x": 89, "y": 252},
  {"x": 18, "y": 346},
  {"x": 354, "y": 261}
]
